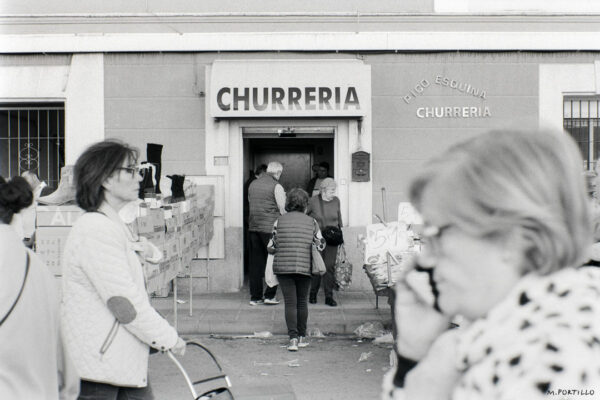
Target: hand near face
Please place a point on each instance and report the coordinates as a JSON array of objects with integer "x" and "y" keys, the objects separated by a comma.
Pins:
[
  {"x": 418, "y": 323},
  {"x": 436, "y": 375}
]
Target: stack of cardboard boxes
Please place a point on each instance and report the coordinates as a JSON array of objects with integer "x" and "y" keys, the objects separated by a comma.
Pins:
[{"x": 179, "y": 230}]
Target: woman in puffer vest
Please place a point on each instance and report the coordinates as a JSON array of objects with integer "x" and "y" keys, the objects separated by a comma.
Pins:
[
  {"x": 108, "y": 322},
  {"x": 293, "y": 235}
]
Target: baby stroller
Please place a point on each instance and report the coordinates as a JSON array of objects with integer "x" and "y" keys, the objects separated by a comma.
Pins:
[{"x": 220, "y": 392}]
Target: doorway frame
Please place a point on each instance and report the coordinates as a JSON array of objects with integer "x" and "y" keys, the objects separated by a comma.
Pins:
[{"x": 225, "y": 157}]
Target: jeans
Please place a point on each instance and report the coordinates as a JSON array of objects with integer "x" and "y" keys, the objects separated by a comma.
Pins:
[
  {"x": 103, "y": 391},
  {"x": 329, "y": 254},
  {"x": 258, "y": 262},
  {"x": 295, "y": 297}
]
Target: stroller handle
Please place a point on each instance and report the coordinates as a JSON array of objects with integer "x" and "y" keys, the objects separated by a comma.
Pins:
[{"x": 185, "y": 374}]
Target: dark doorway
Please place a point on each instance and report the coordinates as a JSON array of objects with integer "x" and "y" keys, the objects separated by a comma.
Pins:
[{"x": 297, "y": 155}]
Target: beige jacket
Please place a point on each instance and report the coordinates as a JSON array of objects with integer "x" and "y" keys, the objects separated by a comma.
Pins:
[{"x": 106, "y": 315}]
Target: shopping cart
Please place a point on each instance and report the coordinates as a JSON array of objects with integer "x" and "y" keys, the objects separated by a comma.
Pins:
[{"x": 216, "y": 392}]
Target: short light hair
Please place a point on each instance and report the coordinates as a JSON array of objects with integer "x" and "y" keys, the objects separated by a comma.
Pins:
[
  {"x": 274, "y": 168},
  {"x": 327, "y": 183},
  {"x": 501, "y": 180}
]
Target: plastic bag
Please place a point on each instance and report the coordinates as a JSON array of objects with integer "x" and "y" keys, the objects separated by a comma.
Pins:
[
  {"x": 343, "y": 269},
  {"x": 270, "y": 277},
  {"x": 370, "y": 330}
]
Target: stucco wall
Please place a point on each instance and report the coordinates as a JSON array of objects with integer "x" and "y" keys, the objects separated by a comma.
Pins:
[
  {"x": 156, "y": 98},
  {"x": 402, "y": 141}
]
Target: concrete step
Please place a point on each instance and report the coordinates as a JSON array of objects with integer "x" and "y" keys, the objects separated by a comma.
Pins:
[{"x": 230, "y": 314}]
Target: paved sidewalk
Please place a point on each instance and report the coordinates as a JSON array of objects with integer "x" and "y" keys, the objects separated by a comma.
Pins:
[{"x": 230, "y": 314}]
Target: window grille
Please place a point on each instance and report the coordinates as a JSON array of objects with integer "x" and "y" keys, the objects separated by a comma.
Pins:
[
  {"x": 581, "y": 118},
  {"x": 32, "y": 138}
]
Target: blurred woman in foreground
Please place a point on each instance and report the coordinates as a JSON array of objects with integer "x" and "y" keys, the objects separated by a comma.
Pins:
[
  {"x": 33, "y": 361},
  {"x": 507, "y": 226}
]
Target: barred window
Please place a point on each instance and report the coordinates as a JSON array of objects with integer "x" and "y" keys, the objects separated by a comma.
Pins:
[
  {"x": 32, "y": 138},
  {"x": 581, "y": 118}
]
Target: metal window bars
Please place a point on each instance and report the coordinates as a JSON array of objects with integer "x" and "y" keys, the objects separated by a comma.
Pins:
[{"x": 32, "y": 138}]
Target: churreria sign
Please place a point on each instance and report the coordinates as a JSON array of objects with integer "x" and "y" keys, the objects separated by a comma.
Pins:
[{"x": 287, "y": 99}]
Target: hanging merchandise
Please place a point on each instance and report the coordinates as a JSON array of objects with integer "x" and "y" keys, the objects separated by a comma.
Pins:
[
  {"x": 343, "y": 269},
  {"x": 153, "y": 155},
  {"x": 66, "y": 189},
  {"x": 147, "y": 184},
  {"x": 177, "y": 192}
]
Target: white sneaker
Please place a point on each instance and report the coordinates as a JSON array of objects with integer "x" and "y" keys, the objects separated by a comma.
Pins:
[
  {"x": 256, "y": 302},
  {"x": 302, "y": 342},
  {"x": 293, "y": 346},
  {"x": 272, "y": 301}
]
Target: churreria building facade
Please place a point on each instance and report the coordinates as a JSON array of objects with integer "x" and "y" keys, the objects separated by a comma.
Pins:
[{"x": 373, "y": 88}]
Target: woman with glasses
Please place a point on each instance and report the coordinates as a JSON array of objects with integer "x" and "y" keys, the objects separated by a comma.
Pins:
[
  {"x": 109, "y": 325},
  {"x": 507, "y": 226}
]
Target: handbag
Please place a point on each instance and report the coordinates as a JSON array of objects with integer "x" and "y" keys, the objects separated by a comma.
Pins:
[
  {"x": 317, "y": 263},
  {"x": 332, "y": 234},
  {"x": 20, "y": 291},
  {"x": 343, "y": 269},
  {"x": 270, "y": 277}
]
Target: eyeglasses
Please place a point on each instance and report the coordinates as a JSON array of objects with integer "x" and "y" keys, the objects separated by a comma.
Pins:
[
  {"x": 133, "y": 170},
  {"x": 432, "y": 237}
]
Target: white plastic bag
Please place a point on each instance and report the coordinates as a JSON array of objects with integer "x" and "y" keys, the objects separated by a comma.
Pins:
[{"x": 270, "y": 277}]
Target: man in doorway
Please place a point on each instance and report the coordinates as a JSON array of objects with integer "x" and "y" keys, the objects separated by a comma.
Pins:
[
  {"x": 313, "y": 185},
  {"x": 253, "y": 175},
  {"x": 266, "y": 199}
]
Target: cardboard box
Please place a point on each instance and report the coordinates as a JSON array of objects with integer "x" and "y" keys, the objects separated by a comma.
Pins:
[
  {"x": 57, "y": 215},
  {"x": 172, "y": 248},
  {"x": 50, "y": 245},
  {"x": 144, "y": 225}
]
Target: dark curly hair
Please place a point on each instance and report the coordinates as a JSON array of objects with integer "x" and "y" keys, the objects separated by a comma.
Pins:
[
  {"x": 296, "y": 200},
  {"x": 94, "y": 166},
  {"x": 15, "y": 195}
]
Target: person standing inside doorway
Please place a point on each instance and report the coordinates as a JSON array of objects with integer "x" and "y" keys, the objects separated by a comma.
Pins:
[
  {"x": 315, "y": 183},
  {"x": 325, "y": 208},
  {"x": 266, "y": 198}
]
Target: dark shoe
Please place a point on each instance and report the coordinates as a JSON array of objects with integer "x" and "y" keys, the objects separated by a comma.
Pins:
[
  {"x": 312, "y": 299},
  {"x": 330, "y": 302}
]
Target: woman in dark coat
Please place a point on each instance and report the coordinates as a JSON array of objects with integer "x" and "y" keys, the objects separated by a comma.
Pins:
[
  {"x": 325, "y": 208},
  {"x": 293, "y": 235}
]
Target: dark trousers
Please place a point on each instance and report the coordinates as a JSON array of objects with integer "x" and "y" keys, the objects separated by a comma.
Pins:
[
  {"x": 103, "y": 391},
  {"x": 295, "y": 295},
  {"x": 258, "y": 262},
  {"x": 329, "y": 254}
]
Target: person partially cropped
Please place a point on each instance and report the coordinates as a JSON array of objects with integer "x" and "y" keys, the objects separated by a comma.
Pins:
[
  {"x": 293, "y": 235},
  {"x": 266, "y": 198},
  {"x": 109, "y": 325},
  {"x": 325, "y": 208},
  {"x": 34, "y": 363},
  {"x": 506, "y": 229}
]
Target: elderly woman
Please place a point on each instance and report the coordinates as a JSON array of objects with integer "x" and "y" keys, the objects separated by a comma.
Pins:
[
  {"x": 108, "y": 322},
  {"x": 506, "y": 228},
  {"x": 34, "y": 362},
  {"x": 293, "y": 235},
  {"x": 325, "y": 208}
]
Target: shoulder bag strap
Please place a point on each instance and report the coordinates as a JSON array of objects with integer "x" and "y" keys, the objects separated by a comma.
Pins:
[{"x": 20, "y": 291}]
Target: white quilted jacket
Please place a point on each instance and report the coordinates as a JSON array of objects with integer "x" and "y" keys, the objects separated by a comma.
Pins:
[{"x": 100, "y": 265}]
